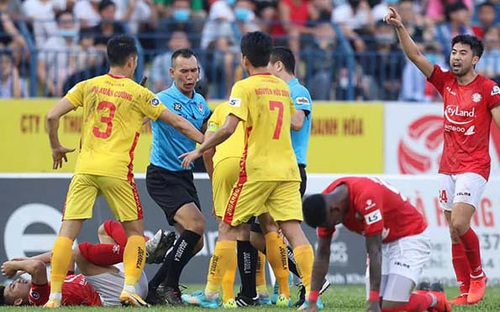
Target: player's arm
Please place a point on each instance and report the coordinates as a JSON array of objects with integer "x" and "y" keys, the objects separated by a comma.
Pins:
[
  {"x": 374, "y": 250},
  {"x": 58, "y": 151},
  {"x": 495, "y": 113},
  {"x": 208, "y": 156},
  {"x": 320, "y": 267},
  {"x": 298, "y": 120},
  {"x": 34, "y": 267},
  {"x": 182, "y": 125},
  {"x": 219, "y": 136},
  {"x": 409, "y": 47}
]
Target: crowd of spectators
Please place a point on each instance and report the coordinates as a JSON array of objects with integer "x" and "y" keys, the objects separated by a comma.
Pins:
[{"x": 340, "y": 45}]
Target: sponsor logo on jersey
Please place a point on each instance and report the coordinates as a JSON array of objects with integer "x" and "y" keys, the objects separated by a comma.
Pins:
[
  {"x": 200, "y": 107},
  {"x": 177, "y": 106},
  {"x": 477, "y": 97},
  {"x": 452, "y": 111},
  {"x": 235, "y": 102},
  {"x": 369, "y": 204},
  {"x": 303, "y": 100},
  {"x": 373, "y": 217},
  {"x": 470, "y": 131},
  {"x": 34, "y": 295},
  {"x": 496, "y": 90},
  {"x": 450, "y": 91},
  {"x": 155, "y": 102}
]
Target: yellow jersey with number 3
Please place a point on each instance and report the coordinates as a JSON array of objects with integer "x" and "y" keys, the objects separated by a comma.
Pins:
[
  {"x": 232, "y": 147},
  {"x": 113, "y": 112},
  {"x": 263, "y": 102}
]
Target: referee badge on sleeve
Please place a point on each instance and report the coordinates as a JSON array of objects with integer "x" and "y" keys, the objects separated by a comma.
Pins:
[{"x": 155, "y": 101}]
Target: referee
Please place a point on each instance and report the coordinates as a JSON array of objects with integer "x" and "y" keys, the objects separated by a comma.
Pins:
[{"x": 171, "y": 186}]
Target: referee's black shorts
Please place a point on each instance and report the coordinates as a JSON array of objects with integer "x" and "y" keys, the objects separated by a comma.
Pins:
[
  {"x": 303, "y": 184},
  {"x": 171, "y": 190}
]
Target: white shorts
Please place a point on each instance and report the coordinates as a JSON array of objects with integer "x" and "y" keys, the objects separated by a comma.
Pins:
[
  {"x": 406, "y": 256},
  {"x": 110, "y": 285},
  {"x": 460, "y": 188}
]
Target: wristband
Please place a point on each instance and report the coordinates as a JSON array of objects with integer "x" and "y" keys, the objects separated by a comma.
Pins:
[
  {"x": 313, "y": 296},
  {"x": 374, "y": 296}
]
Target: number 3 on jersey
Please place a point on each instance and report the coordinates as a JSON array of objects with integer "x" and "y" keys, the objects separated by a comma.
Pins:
[
  {"x": 106, "y": 118},
  {"x": 273, "y": 105}
]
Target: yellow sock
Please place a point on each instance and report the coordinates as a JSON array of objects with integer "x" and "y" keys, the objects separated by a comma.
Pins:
[
  {"x": 224, "y": 255},
  {"x": 304, "y": 256},
  {"x": 134, "y": 257},
  {"x": 278, "y": 258},
  {"x": 228, "y": 280},
  {"x": 61, "y": 257},
  {"x": 261, "y": 273}
]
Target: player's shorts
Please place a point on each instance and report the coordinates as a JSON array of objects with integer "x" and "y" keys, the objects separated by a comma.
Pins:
[
  {"x": 255, "y": 225},
  {"x": 121, "y": 195},
  {"x": 224, "y": 177},
  {"x": 110, "y": 285},
  {"x": 460, "y": 188},
  {"x": 280, "y": 198},
  {"x": 406, "y": 256},
  {"x": 171, "y": 190}
]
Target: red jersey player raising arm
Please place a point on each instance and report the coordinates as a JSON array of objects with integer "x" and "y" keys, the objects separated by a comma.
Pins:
[
  {"x": 470, "y": 102},
  {"x": 397, "y": 242}
]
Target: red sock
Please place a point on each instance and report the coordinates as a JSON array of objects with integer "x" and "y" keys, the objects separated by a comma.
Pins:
[
  {"x": 419, "y": 302},
  {"x": 473, "y": 252},
  {"x": 116, "y": 231},
  {"x": 461, "y": 266},
  {"x": 102, "y": 254}
]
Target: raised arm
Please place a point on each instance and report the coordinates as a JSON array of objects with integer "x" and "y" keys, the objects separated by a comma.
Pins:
[{"x": 409, "y": 47}]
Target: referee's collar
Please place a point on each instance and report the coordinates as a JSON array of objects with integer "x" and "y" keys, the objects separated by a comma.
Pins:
[{"x": 178, "y": 95}]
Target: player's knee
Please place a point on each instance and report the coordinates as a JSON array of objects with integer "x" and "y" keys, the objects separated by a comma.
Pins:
[
  {"x": 197, "y": 225},
  {"x": 458, "y": 227},
  {"x": 257, "y": 240}
]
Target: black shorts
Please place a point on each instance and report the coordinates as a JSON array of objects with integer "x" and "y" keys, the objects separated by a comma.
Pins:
[
  {"x": 171, "y": 190},
  {"x": 303, "y": 184}
]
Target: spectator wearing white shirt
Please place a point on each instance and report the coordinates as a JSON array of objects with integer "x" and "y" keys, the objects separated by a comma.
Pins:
[
  {"x": 41, "y": 14},
  {"x": 87, "y": 12}
]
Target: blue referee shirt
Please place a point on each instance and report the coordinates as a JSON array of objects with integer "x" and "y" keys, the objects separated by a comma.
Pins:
[
  {"x": 300, "y": 139},
  {"x": 168, "y": 143}
]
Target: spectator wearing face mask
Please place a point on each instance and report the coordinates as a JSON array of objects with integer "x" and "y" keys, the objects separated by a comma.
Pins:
[
  {"x": 57, "y": 59},
  {"x": 11, "y": 84}
]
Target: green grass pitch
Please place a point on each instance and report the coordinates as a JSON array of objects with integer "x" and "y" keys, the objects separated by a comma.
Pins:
[{"x": 336, "y": 298}]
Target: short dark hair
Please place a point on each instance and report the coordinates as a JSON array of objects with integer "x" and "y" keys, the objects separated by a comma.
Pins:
[
  {"x": 454, "y": 7},
  {"x": 104, "y": 4},
  {"x": 285, "y": 56},
  {"x": 119, "y": 50},
  {"x": 256, "y": 47},
  {"x": 476, "y": 44},
  {"x": 61, "y": 13},
  {"x": 184, "y": 53},
  {"x": 314, "y": 210},
  {"x": 486, "y": 4},
  {"x": 2, "y": 297}
]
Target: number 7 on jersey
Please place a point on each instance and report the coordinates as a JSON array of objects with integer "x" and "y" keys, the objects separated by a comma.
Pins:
[{"x": 273, "y": 105}]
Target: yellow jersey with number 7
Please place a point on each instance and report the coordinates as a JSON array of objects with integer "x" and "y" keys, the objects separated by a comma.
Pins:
[
  {"x": 264, "y": 104},
  {"x": 113, "y": 112}
]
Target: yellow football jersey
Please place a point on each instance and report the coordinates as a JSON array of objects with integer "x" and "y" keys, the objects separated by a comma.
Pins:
[
  {"x": 113, "y": 112},
  {"x": 263, "y": 102},
  {"x": 232, "y": 147}
]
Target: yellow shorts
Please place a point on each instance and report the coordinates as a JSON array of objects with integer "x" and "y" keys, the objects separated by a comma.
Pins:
[
  {"x": 121, "y": 195},
  {"x": 280, "y": 198},
  {"x": 224, "y": 177}
]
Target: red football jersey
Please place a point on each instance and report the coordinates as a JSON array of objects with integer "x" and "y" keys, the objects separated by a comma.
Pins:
[
  {"x": 75, "y": 291},
  {"x": 467, "y": 120},
  {"x": 376, "y": 207}
]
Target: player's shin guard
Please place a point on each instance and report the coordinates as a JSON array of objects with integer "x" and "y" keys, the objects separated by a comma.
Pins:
[
  {"x": 461, "y": 267},
  {"x": 61, "y": 258},
  {"x": 134, "y": 258},
  {"x": 228, "y": 279},
  {"x": 418, "y": 302},
  {"x": 261, "y": 273},
  {"x": 473, "y": 252},
  {"x": 101, "y": 254},
  {"x": 223, "y": 257},
  {"x": 304, "y": 256},
  {"x": 277, "y": 256}
]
